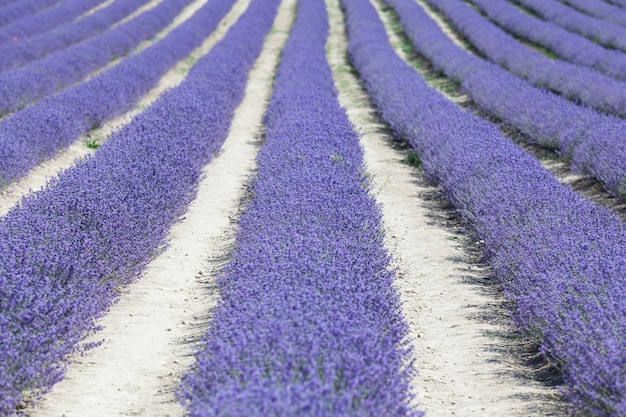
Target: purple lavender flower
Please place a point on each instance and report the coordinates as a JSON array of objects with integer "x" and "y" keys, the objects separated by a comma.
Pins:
[
  {"x": 15, "y": 54},
  {"x": 46, "y": 19},
  {"x": 66, "y": 249},
  {"x": 309, "y": 322},
  {"x": 561, "y": 259},
  {"x": 63, "y": 68}
]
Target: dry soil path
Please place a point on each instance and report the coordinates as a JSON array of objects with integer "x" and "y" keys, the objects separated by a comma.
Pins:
[
  {"x": 465, "y": 367},
  {"x": 149, "y": 334}
]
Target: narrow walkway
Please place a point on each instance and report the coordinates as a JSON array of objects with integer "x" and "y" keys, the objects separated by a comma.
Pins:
[
  {"x": 457, "y": 323},
  {"x": 151, "y": 333}
]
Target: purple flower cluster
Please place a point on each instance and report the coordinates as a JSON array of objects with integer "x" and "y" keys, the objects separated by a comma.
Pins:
[
  {"x": 15, "y": 54},
  {"x": 6, "y": 2},
  {"x": 591, "y": 140},
  {"x": 309, "y": 322},
  {"x": 602, "y": 32},
  {"x": 560, "y": 258},
  {"x": 599, "y": 9},
  {"x": 578, "y": 83},
  {"x": 46, "y": 20},
  {"x": 65, "y": 250},
  {"x": 37, "y": 132},
  {"x": 62, "y": 68},
  {"x": 621, "y": 3},
  {"x": 567, "y": 45},
  {"x": 18, "y": 9}
]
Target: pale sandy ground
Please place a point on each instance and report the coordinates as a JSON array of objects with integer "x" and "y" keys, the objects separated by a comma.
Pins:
[
  {"x": 95, "y": 9},
  {"x": 65, "y": 158},
  {"x": 149, "y": 333},
  {"x": 463, "y": 365}
]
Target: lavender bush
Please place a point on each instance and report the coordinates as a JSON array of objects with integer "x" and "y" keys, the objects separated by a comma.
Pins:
[
  {"x": 621, "y": 3},
  {"x": 580, "y": 84},
  {"x": 560, "y": 258},
  {"x": 46, "y": 20},
  {"x": 18, "y": 9},
  {"x": 60, "y": 69},
  {"x": 602, "y": 32},
  {"x": 309, "y": 322},
  {"x": 66, "y": 250},
  {"x": 6, "y": 2},
  {"x": 600, "y": 9},
  {"x": 567, "y": 45},
  {"x": 38, "y": 131},
  {"x": 15, "y": 54},
  {"x": 591, "y": 141}
]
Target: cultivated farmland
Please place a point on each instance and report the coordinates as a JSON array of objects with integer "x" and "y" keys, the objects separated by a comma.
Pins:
[{"x": 312, "y": 208}]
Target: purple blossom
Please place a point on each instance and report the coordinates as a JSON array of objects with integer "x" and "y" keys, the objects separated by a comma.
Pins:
[
  {"x": 65, "y": 250},
  {"x": 567, "y": 45},
  {"x": 621, "y": 3},
  {"x": 591, "y": 140},
  {"x": 309, "y": 322},
  {"x": 561, "y": 259},
  {"x": 15, "y": 54},
  {"x": 35, "y": 133},
  {"x": 46, "y": 19},
  {"x": 602, "y": 32},
  {"x": 580, "y": 84},
  {"x": 20, "y": 86},
  {"x": 599, "y": 9},
  {"x": 15, "y": 10}
]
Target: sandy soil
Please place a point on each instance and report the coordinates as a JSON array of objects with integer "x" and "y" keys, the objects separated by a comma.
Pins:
[
  {"x": 456, "y": 321},
  {"x": 65, "y": 158},
  {"x": 151, "y": 333},
  {"x": 139, "y": 11},
  {"x": 95, "y": 9}
]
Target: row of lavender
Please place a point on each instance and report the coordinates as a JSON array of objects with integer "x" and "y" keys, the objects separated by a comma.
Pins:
[
  {"x": 581, "y": 84},
  {"x": 565, "y": 44},
  {"x": 309, "y": 322},
  {"x": 600, "y": 9},
  {"x": 48, "y": 19},
  {"x": 16, "y": 54},
  {"x": 66, "y": 249},
  {"x": 6, "y": 2},
  {"x": 591, "y": 140},
  {"x": 20, "y": 86},
  {"x": 621, "y": 3},
  {"x": 36, "y": 132},
  {"x": 605, "y": 33},
  {"x": 18, "y": 9},
  {"x": 560, "y": 259}
]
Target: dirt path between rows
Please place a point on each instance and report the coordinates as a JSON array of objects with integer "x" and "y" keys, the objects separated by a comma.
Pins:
[
  {"x": 151, "y": 333},
  {"x": 457, "y": 323}
]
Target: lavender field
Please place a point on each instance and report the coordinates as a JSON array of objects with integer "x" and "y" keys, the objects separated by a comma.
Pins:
[{"x": 312, "y": 208}]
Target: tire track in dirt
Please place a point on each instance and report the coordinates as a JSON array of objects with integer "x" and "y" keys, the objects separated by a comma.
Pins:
[
  {"x": 457, "y": 323},
  {"x": 150, "y": 335}
]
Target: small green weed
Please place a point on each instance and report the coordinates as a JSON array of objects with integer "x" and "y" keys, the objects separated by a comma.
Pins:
[
  {"x": 412, "y": 159},
  {"x": 94, "y": 142}
]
